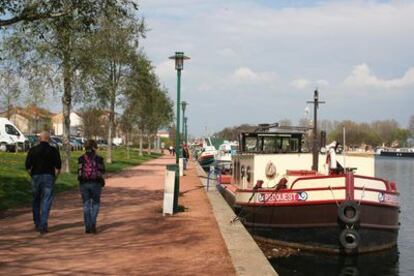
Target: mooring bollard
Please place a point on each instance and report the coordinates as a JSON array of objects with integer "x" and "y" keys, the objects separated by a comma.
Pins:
[
  {"x": 168, "y": 204},
  {"x": 181, "y": 164},
  {"x": 210, "y": 176}
]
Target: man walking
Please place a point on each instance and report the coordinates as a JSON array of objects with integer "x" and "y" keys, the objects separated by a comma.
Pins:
[{"x": 43, "y": 164}]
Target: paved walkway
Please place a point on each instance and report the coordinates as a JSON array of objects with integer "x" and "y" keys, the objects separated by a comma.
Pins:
[{"x": 133, "y": 237}]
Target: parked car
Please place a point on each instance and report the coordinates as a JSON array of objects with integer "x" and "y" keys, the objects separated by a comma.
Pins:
[
  {"x": 10, "y": 136},
  {"x": 56, "y": 142},
  {"x": 75, "y": 144},
  {"x": 32, "y": 140}
]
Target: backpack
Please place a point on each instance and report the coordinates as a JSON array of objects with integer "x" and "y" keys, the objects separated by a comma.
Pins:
[{"x": 90, "y": 168}]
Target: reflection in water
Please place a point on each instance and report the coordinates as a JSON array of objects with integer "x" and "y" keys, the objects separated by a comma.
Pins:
[
  {"x": 382, "y": 263},
  {"x": 392, "y": 262}
]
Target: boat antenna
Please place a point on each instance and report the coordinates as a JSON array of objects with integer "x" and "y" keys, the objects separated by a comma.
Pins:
[{"x": 315, "y": 148}]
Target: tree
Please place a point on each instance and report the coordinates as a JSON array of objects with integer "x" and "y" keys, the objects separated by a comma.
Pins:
[
  {"x": 411, "y": 125},
  {"x": 59, "y": 41},
  {"x": 285, "y": 122},
  {"x": 93, "y": 123},
  {"x": 29, "y": 11},
  {"x": 113, "y": 48},
  {"x": 232, "y": 133},
  {"x": 9, "y": 90},
  {"x": 148, "y": 106}
]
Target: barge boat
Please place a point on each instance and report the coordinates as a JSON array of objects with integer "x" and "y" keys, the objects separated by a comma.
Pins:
[{"x": 335, "y": 209}]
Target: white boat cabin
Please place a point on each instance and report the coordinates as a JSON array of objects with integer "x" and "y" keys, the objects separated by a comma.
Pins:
[{"x": 281, "y": 154}]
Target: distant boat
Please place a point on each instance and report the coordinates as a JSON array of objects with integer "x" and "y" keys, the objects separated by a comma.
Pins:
[
  {"x": 207, "y": 154},
  {"x": 396, "y": 152}
]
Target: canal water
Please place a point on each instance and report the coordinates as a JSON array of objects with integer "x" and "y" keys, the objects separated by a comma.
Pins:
[{"x": 399, "y": 261}]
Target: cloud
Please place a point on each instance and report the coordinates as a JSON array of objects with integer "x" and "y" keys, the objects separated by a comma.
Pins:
[
  {"x": 362, "y": 76},
  {"x": 247, "y": 75},
  {"x": 227, "y": 52},
  {"x": 165, "y": 70},
  {"x": 301, "y": 84},
  {"x": 238, "y": 46}
]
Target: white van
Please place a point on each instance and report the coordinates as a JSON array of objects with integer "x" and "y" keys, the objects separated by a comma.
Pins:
[{"x": 10, "y": 136}]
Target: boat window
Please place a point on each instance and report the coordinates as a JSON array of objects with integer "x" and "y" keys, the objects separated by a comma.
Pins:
[
  {"x": 294, "y": 145},
  {"x": 269, "y": 144},
  {"x": 11, "y": 130},
  {"x": 250, "y": 144},
  {"x": 285, "y": 144}
]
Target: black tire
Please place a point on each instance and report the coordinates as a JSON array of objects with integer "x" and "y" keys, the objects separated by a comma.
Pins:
[
  {"x": 349, "y": 239},
  {"x": 348, "y": 212},
  {"x": 349, "y": 271},
  {"x": 3, "y": 147}
]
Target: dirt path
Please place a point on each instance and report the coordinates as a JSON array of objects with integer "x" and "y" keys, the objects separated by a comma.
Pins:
[{"x": 133, "y": 237}]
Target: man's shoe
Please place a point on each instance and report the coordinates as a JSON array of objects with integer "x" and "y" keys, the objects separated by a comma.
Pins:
[
  {"x": 93, "y": 229},
  {"x": 87, "y": 231}
]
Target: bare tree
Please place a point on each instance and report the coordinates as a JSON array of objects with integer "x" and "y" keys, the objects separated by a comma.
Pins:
[
  {"x": 93, "y": 122},
  {"x": 9, "y": 90}
]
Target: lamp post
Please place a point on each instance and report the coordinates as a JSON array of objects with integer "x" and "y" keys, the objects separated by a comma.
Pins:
[
  {"x": 185, "y": 130},
  {"x": 179, "y": 58},
  {"x": 184, "y": 106}
]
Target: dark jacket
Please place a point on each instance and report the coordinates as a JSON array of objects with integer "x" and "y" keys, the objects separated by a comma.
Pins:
[
  {"x": 186, "y": 154},
  {"x": 101, "y": 167},
  {"x": 43, "y": 159}
]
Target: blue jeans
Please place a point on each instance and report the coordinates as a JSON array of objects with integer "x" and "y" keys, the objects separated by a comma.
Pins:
[
  {"x": 185, "y": 161},
  {"x": 91, "y": 198},
  {"x": 42, "y": 192}
]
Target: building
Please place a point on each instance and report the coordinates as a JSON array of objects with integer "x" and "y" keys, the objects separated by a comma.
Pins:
[
  {"x": 163, "y": 134},
  {"x": 30, "y": 119},
  {"x": 76, "y": 124}
]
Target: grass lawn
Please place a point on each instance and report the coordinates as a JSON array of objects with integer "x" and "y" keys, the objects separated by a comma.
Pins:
[{"x": 15, "y": 188}]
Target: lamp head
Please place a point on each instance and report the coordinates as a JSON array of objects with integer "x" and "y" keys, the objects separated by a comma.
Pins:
[
  {"x": 179, "y": 58},
  {"x": 184, "y": 105}
]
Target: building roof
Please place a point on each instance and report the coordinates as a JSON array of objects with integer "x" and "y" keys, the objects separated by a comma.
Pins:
[{"x": 30, "y": 112}]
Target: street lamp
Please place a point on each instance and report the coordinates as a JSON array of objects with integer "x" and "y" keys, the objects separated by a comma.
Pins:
[
  {"x": 185, "y": 130},
  {"x": 183, "y": 106},
  {"x": 179, "y": 58}
]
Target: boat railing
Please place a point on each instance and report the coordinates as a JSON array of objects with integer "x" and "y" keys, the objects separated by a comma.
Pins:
[{"x": 378, "y": 184}]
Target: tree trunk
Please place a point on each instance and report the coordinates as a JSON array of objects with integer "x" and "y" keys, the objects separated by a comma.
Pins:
[
  {"x": 149, "y": 145},
  {"x": 8, "y": 109},
  {"x": 127, "y": 144},
  {"x": 67, "y": 104},
  {"x": 110, "y": 129},
  {"x": 140, "y": 142}
]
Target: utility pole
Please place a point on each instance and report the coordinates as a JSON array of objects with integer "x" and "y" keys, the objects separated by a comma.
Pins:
[{"x": 315, "y": 148}]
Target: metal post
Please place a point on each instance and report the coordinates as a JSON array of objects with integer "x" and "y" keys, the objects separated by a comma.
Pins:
[
  {"x": 315, "y": 159},
  {"x": 315, "y": 148},
  {"x": 177, "y": 145},
  {"x": 183, "y": 131}
]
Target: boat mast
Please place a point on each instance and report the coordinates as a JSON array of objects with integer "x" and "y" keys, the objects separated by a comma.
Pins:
[{"x": 315, "y": 148}]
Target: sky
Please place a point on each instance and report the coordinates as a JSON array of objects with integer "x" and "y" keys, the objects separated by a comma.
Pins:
[{"x": 257, "y": 61}]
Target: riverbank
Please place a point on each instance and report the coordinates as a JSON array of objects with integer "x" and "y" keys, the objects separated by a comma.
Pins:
[
  {"x": 15, "y": 188},
  {"x": 247, "y": 257},
  {"x": 134, "y": 238}
]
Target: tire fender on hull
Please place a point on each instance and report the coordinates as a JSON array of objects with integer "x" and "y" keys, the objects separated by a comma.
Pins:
[
  {"x": 349, "y": 239},
  {"x": 348, "y": 212}
]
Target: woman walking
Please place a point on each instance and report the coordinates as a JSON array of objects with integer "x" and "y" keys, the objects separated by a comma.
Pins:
[{"x": 91, "y": 170}]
